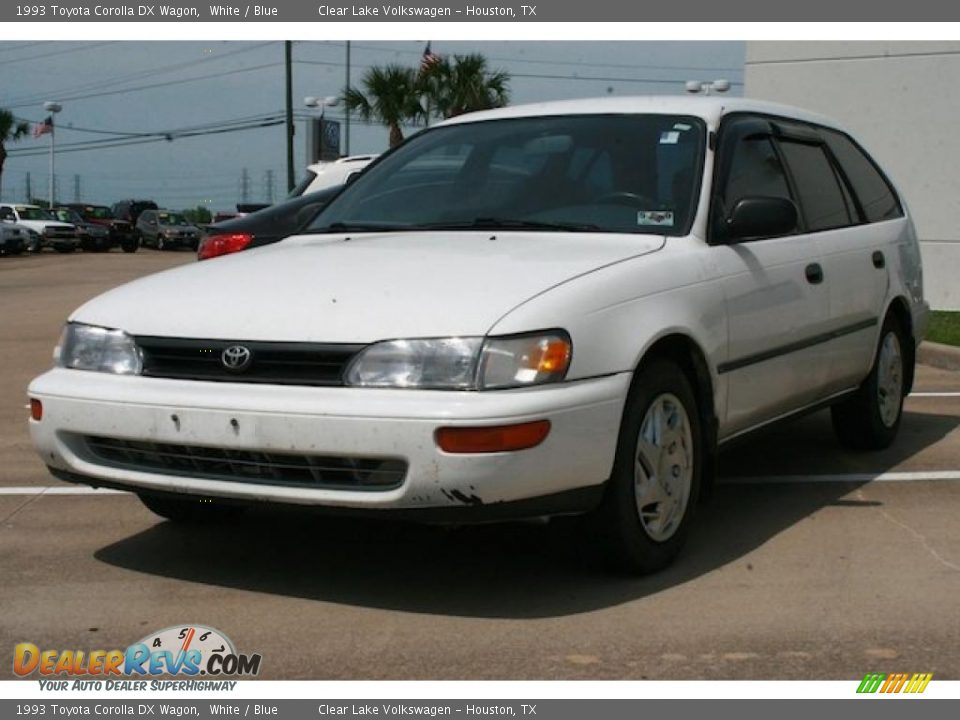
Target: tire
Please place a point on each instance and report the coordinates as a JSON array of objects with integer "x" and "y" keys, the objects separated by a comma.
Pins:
[
  {"x": 64, "y": 248},
  {"x": 870, "y": 418},
  {"x": 88, "y": 245},
  {"x": 643, "y": 537},
  {"x": 161, "y": 243},
  {"x": 130, "y": 246},
  {"x": 185, "y": 509}
]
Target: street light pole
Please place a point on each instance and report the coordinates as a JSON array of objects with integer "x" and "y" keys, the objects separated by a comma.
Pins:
[
  {"x": 53, "y": 108},
  {"x": 346, "y": 110},
  {"x": 288, "y": 65}
]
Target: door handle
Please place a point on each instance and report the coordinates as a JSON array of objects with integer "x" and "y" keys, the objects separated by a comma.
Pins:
[
  {"x": 879, "y": 261},
  {"x": 814, "y": 273}
]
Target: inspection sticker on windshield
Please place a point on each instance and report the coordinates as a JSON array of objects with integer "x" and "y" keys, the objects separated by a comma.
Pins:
[
  {"x": 659, "y": 218},
  {"x": 669, "y": 137}
]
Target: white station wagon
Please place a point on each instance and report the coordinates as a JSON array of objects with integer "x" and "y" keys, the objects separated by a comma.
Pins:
[{"x": 541, "y": 310}]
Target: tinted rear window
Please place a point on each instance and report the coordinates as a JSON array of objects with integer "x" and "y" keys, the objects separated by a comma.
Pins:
[
  {"x": 820, "y": 193},
  {"x": 877, "y": 198}
]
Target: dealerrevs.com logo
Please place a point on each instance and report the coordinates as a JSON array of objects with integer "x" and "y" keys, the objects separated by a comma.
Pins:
[{"x": 181, "y": 650}]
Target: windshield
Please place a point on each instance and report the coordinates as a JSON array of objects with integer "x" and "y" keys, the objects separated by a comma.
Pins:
[
  {"x": 67, "y": 216},
  {"x": 33, "y": 213},
  {"x": 171, "y": 219},
  {"x": 302, "y": 186},
  {"x": 607, "y": 173},
  {"x": 98, "y": 212}
]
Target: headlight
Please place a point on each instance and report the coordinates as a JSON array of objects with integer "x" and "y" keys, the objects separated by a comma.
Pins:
[
  {"x": 464, "y": 363},
  {"x": 87, "y": 347},
  {"x": 442, "y": 363}
]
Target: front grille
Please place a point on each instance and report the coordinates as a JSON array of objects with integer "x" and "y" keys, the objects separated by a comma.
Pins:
[
  {"x": 262, "y": 467},
  {"x": 58, "y": 232},
  {"x": 275, "y": 363}
]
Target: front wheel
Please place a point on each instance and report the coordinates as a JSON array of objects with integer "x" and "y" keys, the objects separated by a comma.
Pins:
[
  {"x": 130, "y": 246},
  {"x": 161, "y": 243},
  {"x": 870, "y": 418},
  {"x": 189, "y": 509},
  {"x": 646, "y": 514}
]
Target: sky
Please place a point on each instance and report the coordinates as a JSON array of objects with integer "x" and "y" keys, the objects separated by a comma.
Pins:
[{"x": 125, "y": 92}]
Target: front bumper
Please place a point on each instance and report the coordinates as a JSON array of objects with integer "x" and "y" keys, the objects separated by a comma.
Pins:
[{"x": 343, "y": 422}]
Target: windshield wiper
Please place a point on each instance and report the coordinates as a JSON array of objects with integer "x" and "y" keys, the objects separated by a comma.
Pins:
[{"x": 494, "y": 223}]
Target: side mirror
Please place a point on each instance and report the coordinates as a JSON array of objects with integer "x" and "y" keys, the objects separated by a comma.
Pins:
[{"x": 759, "y": 217}]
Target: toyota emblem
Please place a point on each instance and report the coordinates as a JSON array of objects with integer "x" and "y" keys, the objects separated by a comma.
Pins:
[{"x": 236, "y": 358}]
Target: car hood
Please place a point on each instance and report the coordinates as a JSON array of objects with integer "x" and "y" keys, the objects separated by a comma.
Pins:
[
  {"x": 324, "y": 288},
  {"x": 39, "y": 225}
]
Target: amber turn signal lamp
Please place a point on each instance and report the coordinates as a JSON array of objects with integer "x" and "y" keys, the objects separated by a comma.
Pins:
[
  {"x": 36, "y": 409},
  {"x": 499, "y": 438}
]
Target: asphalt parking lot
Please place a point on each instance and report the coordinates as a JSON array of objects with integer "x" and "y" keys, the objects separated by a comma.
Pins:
[{"x": 807, "y": 563}]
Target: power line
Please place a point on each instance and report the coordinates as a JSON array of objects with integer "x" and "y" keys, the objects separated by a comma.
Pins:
[
  {"x": 140, "y": 75},
  {"x": 56, "y": 52},
  {"x": 108, "y": 144},
  {"x": 12, "y": 47},
  {"x": 167, "y": 83},
  {"x": 159, "y": 133},
  {"x": 562, "y": 62}
]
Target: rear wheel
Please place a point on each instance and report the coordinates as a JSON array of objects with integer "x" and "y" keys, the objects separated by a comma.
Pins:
[
  {"x": 870, "y": 418},
  {"x": 130, "y": 245},
  {"x": 189, "y": 509},
  {"x": 645, "y": 516}
]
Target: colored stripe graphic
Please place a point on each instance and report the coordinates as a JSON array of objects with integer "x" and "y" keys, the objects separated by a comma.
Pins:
[
  {"x": 894, "y": 683},
  {"x": 871, "y": 682}
]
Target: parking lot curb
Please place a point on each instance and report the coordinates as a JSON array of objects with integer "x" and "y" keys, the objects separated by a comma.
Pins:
[{"x": 945, "y": 357}]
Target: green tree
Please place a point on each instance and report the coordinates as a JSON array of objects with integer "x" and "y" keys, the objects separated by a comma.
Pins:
[
  {"x": 199, "y": 215},
  {"x": 464, "y": 84},
  {"x": 390, "y": 95},
  {"x": 11, "y": 130}
]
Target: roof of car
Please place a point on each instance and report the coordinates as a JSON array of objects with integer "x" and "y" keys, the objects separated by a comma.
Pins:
[
  {"x": 331, "y": 164},
  {"x": 709, "y": 107}
]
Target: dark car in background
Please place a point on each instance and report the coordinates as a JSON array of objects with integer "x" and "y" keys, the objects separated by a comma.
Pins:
[
  {"x": 92, "y": 237},
  {"x": 121, "y": 232},
  {"x": 13, "y": 239},
  {"x": 165, "y": 229},
  {"x": 263, "y": 227},
  {"x": 130, "y": 210}
]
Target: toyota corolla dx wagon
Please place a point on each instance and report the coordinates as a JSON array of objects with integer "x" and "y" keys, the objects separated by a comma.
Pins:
[{"x": 542, "y": 310}]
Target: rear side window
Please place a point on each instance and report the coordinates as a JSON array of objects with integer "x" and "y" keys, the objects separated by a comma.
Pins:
[
  {"x": 876, "y": 197},
  {"x": 821, "y": 195}
]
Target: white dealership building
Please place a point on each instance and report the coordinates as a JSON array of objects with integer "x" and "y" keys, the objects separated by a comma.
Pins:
[{"x": 902, "y": 101}]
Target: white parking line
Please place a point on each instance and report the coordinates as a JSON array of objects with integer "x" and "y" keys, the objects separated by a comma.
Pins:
[
  {"x": 933, "y": 475},
  {"x": 934, "y": 394}
]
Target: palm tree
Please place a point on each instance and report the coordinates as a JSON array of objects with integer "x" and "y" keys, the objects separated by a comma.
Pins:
[
  {"x": 390, "y": 96},
  {"x": 11, "y": 130},
  {"x": 464, "y": 85}
]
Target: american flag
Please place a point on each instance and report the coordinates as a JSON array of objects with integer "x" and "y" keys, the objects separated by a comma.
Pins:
[
  {"x": 43, "y": 128},
  {"x": 429, "y": 59}
]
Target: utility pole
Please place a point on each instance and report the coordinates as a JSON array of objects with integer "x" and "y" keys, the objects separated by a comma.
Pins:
[
  {"x": 29, "y": 189},
  {"x": 346, "y": 109},
  {"x": 288, "y": 64},
  {"x": 245, "y": 186},
  {"x": 76, "y": 188},
  {"x": 269, "y": 186}
]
